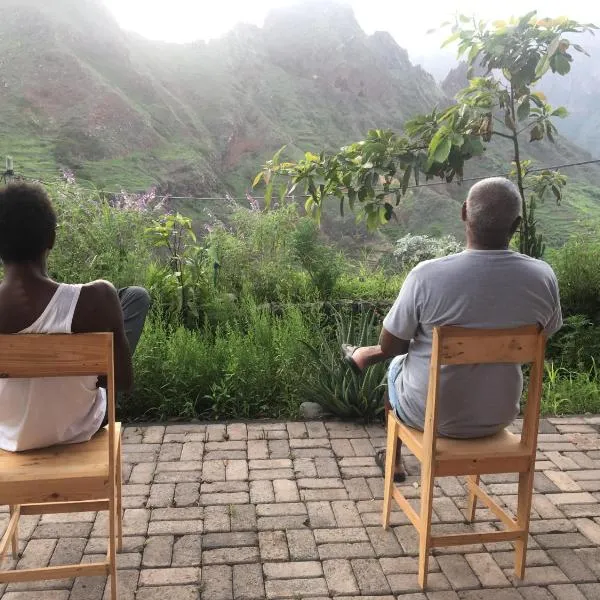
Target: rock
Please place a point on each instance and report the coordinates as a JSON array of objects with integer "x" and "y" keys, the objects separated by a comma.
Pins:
[{"x": 311, "y": 410}]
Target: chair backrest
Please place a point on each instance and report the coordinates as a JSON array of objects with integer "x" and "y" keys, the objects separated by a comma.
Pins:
[
  {"x": 465, "y": 346},
  {"x": 63, "y": 355}
]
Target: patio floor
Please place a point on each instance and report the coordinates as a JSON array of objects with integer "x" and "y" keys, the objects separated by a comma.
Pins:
[{"x": 292, "y": 510}]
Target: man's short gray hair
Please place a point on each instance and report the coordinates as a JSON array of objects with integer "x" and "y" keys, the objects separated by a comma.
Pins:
[{"x": 493, "y": 205}]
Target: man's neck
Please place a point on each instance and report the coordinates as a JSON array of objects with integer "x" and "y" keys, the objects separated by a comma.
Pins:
[
  {"x": 474, "y": 245},
  {"x": 25, "y": 272}
]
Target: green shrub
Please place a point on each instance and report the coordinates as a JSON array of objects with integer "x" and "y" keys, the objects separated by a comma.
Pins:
[
  {"x": 97, "y": 241},
  {"x": 577, "y": 266},
  {"x": 247, "y": 368},
  {"x": 410, "y": 250},
  {"x": 332, "y": 383},
  {"x": 577, "y": 344},
  {"x": 570, "y": 392}
]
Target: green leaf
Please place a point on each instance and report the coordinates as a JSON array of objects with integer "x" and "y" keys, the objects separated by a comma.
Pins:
[
  {"x": 277, "y": 154},
  {"x": 561, "y": 112},
  {"x": 561, "y": 64},
  {"x": 268, "y": 194},
  {"x": 580, "y": 49},
  {"x": 257, "y": 179},
  {"x": 542, "y": 66},
  {"x": 523, "y": 109},
  {"x": 451, "y": 39},
  {"x": 442, "y": 150}
]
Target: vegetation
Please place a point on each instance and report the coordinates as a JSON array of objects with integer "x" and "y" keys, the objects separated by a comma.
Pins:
[
  {"x": 247, "y": 319},
  {"x": 506, "y": 61}
]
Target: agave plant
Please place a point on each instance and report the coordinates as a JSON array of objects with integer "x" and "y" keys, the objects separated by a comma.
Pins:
[{"x": 333, "y": 384}]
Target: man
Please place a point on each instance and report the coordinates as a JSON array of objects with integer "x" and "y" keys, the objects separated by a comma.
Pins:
[
  {"x": 35, "y": 413},
  {"x": 486, "y": 286}
]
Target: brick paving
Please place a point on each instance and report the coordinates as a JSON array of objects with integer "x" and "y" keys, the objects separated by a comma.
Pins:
[{"x": 292, "y": 510}]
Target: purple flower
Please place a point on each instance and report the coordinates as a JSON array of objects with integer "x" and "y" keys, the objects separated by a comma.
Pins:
[{"x": 68, "y": 176}]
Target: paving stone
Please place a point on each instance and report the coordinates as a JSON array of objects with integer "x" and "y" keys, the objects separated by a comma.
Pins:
[
  {"x": 157, "y": 551},
  {"x": 340, "y": 535},
  {"x": 456, "y": 568},
  {"x": 564, "y": 482},
  {"x": 243, "y": 517},
  {"x": 346, "y": 514},
  {"x": 346, "y": 550},
  {"x": 174, "y": 527},
  {"x": 552, "y": 526},
  {"x": 261, "y": 492},
  {"x": 187, "y": 551},
  {"x": 275, "y": 510},
  {"x": 289, "y": 522},
  {"x": 161, "y": 495},
  {"x": 316, "y": 429},
  {"x": 571, "y": 565},
  {"x": 536, "y": 593},
  {"x": 217, "y": 582},
  {"x": 320, "y": 514},
  {"x": 230, "y": 556},
  {"x": 384, "y": 542},
  {"x": 405, "y": 583},
  {"x": 258, "y": 450},
  {"x": 491, "y": 594},
  {"x": 225, "y": 498},
  {"x": 590, "y": 590},
  {"x": 186, "y": 494},
  {"x": 567, "y": 591},
  {"x": 562, "y": 540},
  {"x": 176, "y": 514},
  {"x": 538, "y": 576},
  {"x": 260, "y": 474},
  {"x": 487, "y": 570},
  {"x": 216, "y": 518},
  {"x": 36, "y": 595},
  {"x": 176, "y": 576},
  {"x": 210, "y": 541},
  {"x": 301, "y": 544},
  {"x": 285, "y": 490},
  {"x": 292, "y": 570},
  {"x": 370, "y": 577},
  {"x": 358, "y": 489},
  {"x": 273, "y": 546},
  {"x": 248, "y": 582},
  {"x": 572, "y": 498},
  {"x": 535, "y": 558},
  {"x": 591, "y": 557},
  {"x": 296, "y": 588},
  {"x": 323, "y": 494},
  {"x": 589, "y": 529},
  {"x": 340, "y": 577}
]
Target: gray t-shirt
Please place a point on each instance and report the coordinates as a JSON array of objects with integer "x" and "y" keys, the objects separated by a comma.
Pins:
[{"x": 481, "y": 289}]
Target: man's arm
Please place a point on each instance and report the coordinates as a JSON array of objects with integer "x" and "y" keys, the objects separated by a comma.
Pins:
[
  {"x": 99, "y": 310},
  {"x": 391, "y": 345}
]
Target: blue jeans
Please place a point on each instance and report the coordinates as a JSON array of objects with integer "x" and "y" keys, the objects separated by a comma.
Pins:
[{"x": 394, "y": 371}]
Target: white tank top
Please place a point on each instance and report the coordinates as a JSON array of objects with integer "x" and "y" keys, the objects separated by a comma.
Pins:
[{"x": 36, "y": 413}]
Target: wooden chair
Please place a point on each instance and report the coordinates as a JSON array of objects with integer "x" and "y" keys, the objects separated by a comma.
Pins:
[
  {"x": 500, "y": 453},
  {"x": 68, "y": 478}
]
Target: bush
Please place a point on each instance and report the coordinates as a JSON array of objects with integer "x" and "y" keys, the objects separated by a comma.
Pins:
[
  {"x": 332, "y": 383},
  {"x": 248, "y": 368},
  {"x": 97, "y": 241},
  {"x": 570, "y": 392},
  {"x": 413, "y": 249},
  {"x": 577, "y": 267}
]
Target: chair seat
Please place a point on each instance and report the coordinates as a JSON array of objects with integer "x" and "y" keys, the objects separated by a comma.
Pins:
[
  {"x": 482, "y": 454},
  {"x": 56, "y": 466}
]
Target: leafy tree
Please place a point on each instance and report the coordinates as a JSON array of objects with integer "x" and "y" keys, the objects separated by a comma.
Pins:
[
  {"x": 410, "y": 250},
  {"x": 506, "y": 61}
]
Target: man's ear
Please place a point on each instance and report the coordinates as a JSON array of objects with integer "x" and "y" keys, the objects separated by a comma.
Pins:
[
  {"x": 463, "y": 211},
  {"x": 52, "y": 240},
  {"x": 516, "y": 224}
]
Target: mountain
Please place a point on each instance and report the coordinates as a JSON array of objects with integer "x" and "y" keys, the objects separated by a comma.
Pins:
[{"x": 123, "y": 112}]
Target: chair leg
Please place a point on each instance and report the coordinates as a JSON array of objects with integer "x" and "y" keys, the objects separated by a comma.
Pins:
[
  {"x": 425, "y": 526},
  {"x": 112, "y": 543},
  {"x": 523, "y": 516},
  {"x": 15, "y": 536},
  {"x": 390, "y": 465},
  {"x": 473, "y": 481},
  {"x": 119, "y": 482}
]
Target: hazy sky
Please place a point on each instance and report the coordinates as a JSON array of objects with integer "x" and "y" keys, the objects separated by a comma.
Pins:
[{"x": 189, "y": 20}]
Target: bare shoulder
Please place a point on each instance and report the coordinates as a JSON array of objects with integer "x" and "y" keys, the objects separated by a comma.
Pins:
[{"x": 97, "y": 308}]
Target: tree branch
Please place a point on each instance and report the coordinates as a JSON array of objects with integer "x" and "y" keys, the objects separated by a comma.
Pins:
[{"x": 504, "y": 135}]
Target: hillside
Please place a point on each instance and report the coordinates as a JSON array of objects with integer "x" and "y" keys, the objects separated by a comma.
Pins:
[{"x": 124, "y": 112}]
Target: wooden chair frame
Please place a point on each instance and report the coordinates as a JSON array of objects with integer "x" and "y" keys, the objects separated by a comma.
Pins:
[
  {"x": 501, "y": 453},
  {"x": 67, "y": 483}
]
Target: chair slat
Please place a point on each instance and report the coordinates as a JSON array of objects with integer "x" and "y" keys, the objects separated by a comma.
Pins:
[
  {"x": 32, "y": 355},
  {"x": 462, "y": 346}
]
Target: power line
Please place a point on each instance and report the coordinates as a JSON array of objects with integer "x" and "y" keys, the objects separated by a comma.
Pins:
[{"x": 299, "y": 196}]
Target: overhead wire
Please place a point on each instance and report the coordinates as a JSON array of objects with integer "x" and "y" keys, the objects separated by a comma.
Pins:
[{"x": 294, "y": 196}]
